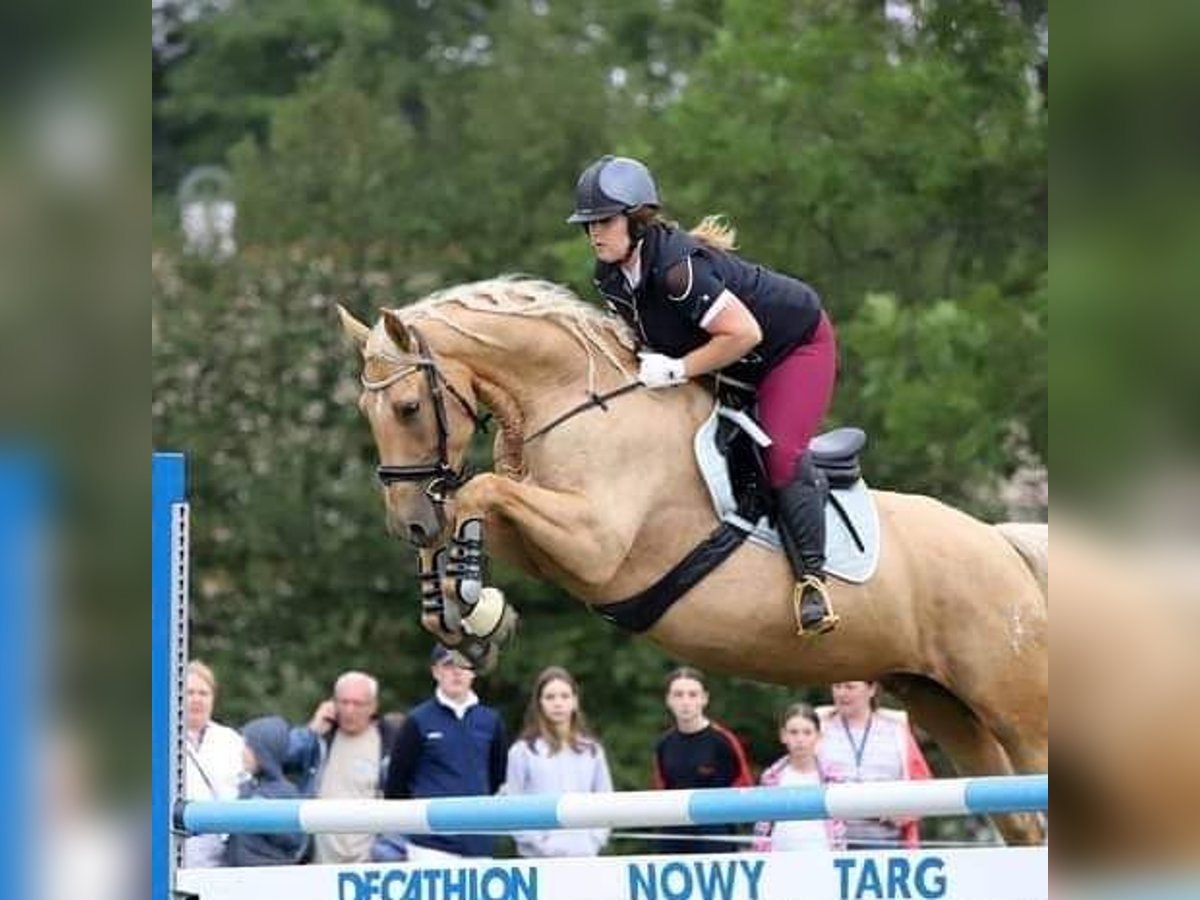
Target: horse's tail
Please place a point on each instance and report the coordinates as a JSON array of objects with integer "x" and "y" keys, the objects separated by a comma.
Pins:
[{"x": 1032, "y": 541}]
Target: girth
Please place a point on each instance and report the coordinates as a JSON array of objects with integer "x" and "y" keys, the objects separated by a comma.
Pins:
[{"x": 641, "y": 611}]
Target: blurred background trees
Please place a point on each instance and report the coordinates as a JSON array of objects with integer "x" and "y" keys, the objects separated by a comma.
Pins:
[{"x": 891, "y": 154}]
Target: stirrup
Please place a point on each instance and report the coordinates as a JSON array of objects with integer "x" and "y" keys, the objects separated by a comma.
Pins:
[{"x": 828, "y": 622}]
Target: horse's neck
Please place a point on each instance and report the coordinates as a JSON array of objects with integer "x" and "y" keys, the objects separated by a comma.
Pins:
[{"x": 536, "y": 365}]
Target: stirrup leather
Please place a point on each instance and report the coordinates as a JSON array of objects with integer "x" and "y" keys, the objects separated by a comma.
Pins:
[{"x": 830, "y": 620}]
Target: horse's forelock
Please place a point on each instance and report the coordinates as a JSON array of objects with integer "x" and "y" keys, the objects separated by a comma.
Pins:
[{"x": 381, "y": 356}]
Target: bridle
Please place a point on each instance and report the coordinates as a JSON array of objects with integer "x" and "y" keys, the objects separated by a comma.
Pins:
[{"x": 443, "y": 479}]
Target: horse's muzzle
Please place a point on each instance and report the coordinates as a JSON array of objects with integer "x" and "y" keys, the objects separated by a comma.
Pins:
[
  {"x": 418, "y": 536},
  {"x": 422, "y": 532}
]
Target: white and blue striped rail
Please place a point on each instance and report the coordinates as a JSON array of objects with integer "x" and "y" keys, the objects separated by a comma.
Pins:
[{"x": 628, "y": 809}]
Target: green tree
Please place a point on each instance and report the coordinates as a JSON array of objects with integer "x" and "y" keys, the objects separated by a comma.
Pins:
[{"x": 862, "y": 157}]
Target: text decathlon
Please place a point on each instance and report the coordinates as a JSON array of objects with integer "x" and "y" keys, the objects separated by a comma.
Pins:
[
  {"x": 495, "y": 883},
  {"x": 695, "y": 880},
  {"x": 893, "y": 878}
]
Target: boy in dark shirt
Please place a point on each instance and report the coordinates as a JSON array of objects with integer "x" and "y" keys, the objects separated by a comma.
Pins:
[{"x": 697, "y": 753}]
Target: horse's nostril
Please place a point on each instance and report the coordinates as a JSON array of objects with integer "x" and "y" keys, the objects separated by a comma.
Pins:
[{"x": 417, "y": 534}]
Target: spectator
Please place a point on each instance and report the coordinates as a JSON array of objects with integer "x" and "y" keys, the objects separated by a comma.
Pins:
[
  {"x": 800, "y": 734},
  {"x": 451, "y": 745},
  {"x": 865, "y": 743},
  {"x": 213, "y": 764},
  {"x": 344, "y": 753},
  {"x": 554, "y": 754},
  {"x": 266, "y": 743},
  {"x": 697, "y": 753}
]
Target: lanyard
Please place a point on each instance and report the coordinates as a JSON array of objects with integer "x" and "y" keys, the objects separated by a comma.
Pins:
[{"x": 860, "y": 748}]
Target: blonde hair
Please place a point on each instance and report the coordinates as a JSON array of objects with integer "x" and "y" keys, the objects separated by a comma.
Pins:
[
  {"x": 713, "y": 231},
  {"x": 716, "y": 232},
  {"x": 204, "y": 673}
]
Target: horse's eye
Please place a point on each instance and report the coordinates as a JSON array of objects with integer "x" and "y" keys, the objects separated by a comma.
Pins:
[{"x": 407, "y": 409}]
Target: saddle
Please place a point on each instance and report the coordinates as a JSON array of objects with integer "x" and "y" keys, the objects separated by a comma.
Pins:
[{"x": 729, "y": 450}]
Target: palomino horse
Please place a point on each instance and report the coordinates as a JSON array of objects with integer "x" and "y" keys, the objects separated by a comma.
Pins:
[{"x": 604, "y": 501}]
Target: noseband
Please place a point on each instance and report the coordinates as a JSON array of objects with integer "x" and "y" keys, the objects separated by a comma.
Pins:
[{"x": 443, "y": 479}]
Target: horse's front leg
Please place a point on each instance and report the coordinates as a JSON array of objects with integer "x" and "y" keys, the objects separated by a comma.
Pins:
[
  {"x": 559, "y": 533},
  {"x": 463, "y": 615}
]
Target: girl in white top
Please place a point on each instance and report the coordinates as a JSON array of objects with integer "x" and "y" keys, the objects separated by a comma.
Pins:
[
  {"x": 556, "y": 754},
  {"x": 800, "y": 734},
  {"x": 213, "y": 761}
]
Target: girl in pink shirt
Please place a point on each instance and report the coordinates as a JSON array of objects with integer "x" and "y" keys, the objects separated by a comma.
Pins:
[{"x": 800, "y": 734}]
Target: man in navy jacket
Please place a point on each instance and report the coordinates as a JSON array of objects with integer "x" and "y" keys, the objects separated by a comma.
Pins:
[{"x": 451, "y": 745}]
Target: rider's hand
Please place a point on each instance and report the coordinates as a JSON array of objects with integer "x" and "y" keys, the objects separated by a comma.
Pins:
[{"x": 658, "y": 371}]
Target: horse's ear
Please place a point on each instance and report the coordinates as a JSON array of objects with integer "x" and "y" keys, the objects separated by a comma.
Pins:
[
  {"x": 354, "y": 329},
  {"x": 397, "y": 331}
]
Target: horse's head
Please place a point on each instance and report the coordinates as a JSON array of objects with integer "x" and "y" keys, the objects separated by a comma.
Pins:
[{"x": 422, "y": 415}]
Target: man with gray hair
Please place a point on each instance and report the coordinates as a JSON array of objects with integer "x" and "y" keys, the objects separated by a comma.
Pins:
[{"x": 344, "y": 754}]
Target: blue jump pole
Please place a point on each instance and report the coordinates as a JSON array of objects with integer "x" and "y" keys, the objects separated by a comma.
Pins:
[
  {"x": 168, "y": 633},
  {"x": 939, "y": 797}
]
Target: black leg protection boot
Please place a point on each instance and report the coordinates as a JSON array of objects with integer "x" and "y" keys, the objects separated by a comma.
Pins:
[{"x": 802, "y": 529}]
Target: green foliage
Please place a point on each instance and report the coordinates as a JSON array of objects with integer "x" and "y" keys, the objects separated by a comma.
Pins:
[
  {"x": 950, "y": 391},
  {"x": 332, "y": 187},
  {"x": 863, "y": 159}
]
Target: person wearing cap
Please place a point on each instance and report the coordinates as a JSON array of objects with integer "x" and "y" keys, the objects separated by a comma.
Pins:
[
  {"x": 451, "y": 745},
  {"x": 697, "y": 308}
]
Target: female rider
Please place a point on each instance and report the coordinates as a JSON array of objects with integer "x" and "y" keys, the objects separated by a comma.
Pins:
[{"x": 697, "y": 308}]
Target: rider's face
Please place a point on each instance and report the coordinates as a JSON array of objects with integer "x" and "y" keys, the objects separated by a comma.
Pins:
[{"x": 609, "y": 238}]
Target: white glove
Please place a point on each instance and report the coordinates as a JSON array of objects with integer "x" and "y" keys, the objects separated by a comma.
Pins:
[{"x": 658, "y": 371}]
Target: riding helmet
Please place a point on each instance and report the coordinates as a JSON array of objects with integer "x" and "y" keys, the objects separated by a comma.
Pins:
[{"x": 612, "y": 185}]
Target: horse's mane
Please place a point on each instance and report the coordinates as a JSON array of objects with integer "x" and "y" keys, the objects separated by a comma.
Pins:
[{"x": 516, "y": 295}]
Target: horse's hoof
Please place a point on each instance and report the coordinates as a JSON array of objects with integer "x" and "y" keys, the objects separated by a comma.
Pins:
[
  {"x": 487, "y": 616},
  {"x": 507, "y": 625}
]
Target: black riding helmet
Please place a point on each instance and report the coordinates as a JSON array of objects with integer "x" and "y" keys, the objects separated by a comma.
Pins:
[{"x": 610, "y": 186}]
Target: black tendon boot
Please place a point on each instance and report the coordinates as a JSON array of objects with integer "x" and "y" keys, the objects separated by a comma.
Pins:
[{"x": 802, "y": 528}]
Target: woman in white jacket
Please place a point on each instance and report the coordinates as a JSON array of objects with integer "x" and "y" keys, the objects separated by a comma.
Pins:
[
  {"x": 556, "y": 754},
  {"x": 213, "y": 761}
]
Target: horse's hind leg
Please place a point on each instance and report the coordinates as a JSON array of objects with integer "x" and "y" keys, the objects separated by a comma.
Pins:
[{"x": 972, "y": 748}]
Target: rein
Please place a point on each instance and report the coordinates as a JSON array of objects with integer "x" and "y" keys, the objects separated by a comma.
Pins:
[{"x": 593, "y": 400}]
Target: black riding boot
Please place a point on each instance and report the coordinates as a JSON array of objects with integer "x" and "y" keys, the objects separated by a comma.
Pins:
[{"x": 802, "y": 529}]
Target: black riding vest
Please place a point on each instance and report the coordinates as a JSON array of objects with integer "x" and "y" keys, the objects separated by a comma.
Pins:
[{"x": 786, "y": 309}]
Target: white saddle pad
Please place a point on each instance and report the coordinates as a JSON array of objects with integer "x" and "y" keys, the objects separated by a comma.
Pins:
[{"x": 844, "y": 558}]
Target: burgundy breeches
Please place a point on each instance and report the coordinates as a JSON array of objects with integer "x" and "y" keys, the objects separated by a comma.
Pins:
[{"x": 793, "y": 399}]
